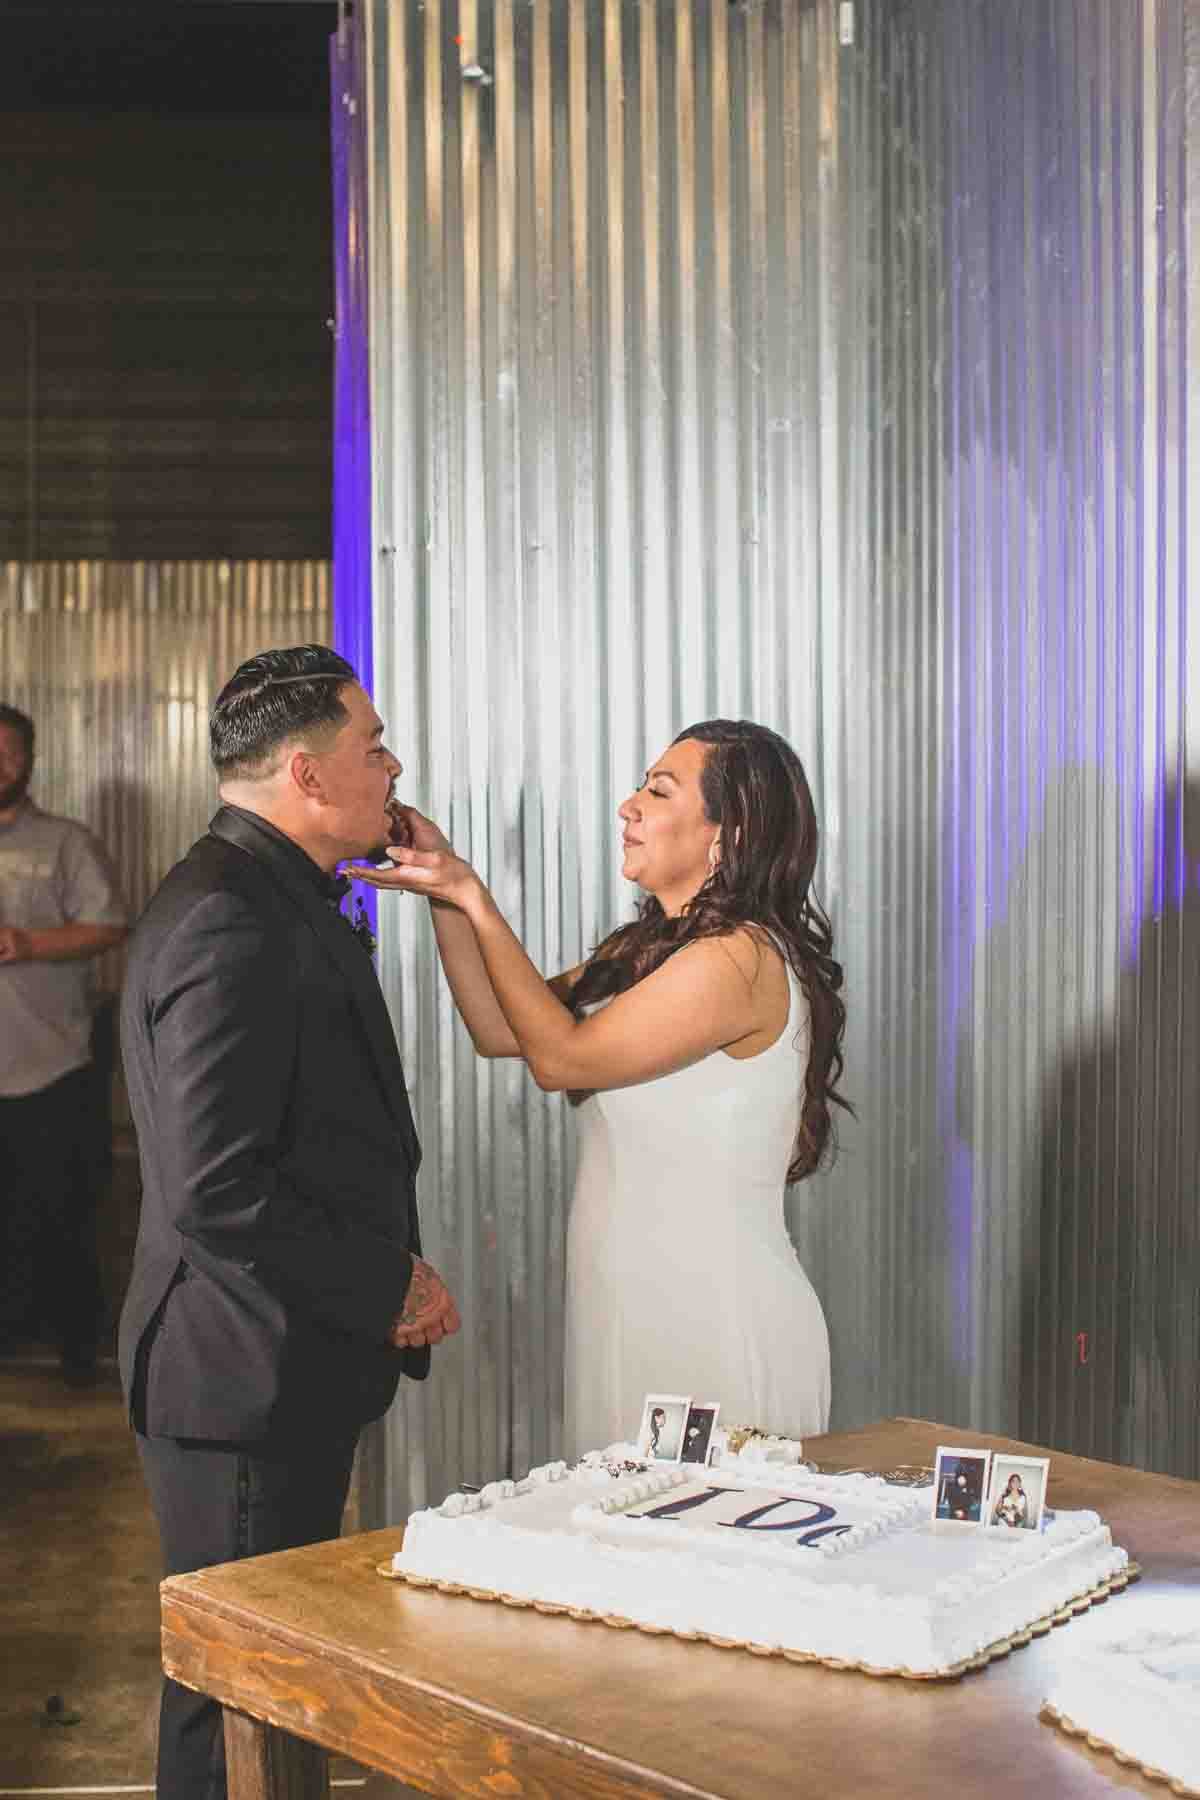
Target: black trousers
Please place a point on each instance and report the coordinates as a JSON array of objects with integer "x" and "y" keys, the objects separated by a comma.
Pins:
[
  {"x": 49, "y": 1183},
  {"x": 218, "y": 1503}
]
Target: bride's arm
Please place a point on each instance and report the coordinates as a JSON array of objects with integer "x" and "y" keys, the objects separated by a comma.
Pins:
[
  {"x": 705, "y": 997},
  {"x": 470, "y": 983},
  {"x": 458, "y": 949},
  {"x": 467, "y": 976}
]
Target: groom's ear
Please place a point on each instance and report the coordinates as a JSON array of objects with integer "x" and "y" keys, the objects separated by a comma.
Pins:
[{"x": 304, "y": 774}]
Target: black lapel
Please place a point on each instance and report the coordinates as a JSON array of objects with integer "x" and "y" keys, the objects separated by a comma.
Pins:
[{"x": 347, "y": 953}]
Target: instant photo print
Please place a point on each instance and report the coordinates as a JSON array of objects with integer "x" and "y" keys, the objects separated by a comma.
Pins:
[
  {"x": 960, "y": 1487},
  {"x": 1017, "y": 1492},
  {"x": 698, "y": 1430},
  {"x": 664, "y": 1420}
]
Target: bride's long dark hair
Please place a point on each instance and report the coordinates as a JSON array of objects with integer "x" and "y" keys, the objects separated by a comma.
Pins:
[{"x": 754, "y": 788}]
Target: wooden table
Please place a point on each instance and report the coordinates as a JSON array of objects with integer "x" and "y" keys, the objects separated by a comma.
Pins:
[{"x": 458, "y": 1696}]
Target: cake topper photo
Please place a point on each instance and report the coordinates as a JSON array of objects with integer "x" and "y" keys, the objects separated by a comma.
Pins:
[
  {"x": 1017, "y": 1494},
  {"x": 698, "y": 1431},
  {"x": 960, "y": 1485},
  {"x": 664, "y": 1417}
]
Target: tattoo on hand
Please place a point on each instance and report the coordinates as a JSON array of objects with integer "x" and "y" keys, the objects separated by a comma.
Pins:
[{"x": 421, "y": 1294}]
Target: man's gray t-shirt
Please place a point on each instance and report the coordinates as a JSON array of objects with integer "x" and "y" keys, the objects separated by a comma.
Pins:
[{"x": 52, "y": 872}]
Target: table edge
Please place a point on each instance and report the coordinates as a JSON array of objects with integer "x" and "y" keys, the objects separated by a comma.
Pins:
[
  {"x": 1038, "y": 1449},
  {"x": 479, "y": 1712}
]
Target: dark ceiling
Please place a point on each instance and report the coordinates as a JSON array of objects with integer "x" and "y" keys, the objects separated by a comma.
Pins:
[
  {"x": 165, "y": 279},
  {"x": 193, "y": 56}
]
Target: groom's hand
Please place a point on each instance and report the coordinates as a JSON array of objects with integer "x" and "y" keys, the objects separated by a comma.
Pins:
[{"x": 429, "y": 1313}]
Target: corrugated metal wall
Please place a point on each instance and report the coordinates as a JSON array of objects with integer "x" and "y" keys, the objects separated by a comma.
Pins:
[
  {"x": 721, "y": 365},
  {"x": 118, "y": 664},
  {"x": 1069, "y": 833}
]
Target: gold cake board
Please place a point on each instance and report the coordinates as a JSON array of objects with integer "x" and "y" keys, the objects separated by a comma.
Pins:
[
  {"x": 1052, "y": 1716},
  {"x": 1094, "y": 1597}
]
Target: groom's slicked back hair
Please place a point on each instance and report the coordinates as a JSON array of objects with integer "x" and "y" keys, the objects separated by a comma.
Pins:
[{"x": 273, "y": 698}]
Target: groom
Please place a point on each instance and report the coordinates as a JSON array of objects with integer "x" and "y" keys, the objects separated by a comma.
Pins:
[{"x": 278, "y": 1291}]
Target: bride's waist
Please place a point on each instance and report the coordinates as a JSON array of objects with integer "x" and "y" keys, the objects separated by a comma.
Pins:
[
  {"x": 731, "y": 1180},
  {"x": 688, "y": 1204}
]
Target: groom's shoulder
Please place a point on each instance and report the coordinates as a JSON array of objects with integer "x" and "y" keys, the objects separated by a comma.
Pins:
[
  {"x": 214, "y": 883},
  {"x": 214, "y": 867}
]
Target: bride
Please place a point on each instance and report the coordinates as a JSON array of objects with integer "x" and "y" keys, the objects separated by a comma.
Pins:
[{"x": 703, "y": 1044}]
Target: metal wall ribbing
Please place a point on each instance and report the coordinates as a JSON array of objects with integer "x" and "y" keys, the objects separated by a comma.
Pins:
[
  {"x": 723, "y": 366},
  {"x": 118, "y": 664}
]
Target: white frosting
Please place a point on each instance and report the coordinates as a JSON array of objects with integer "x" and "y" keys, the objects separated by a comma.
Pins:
[
  {"x": 1140, "y": 1695},
  {"x": 863, "y": 1507},
  {"x": 759, "y": 1447},
  {"x": 846, "y": 1567}
]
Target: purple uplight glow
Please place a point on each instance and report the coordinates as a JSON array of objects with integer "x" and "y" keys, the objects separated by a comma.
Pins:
[
  {"x": 960, "y": 795},
  {"x": 352, "y": 623}
]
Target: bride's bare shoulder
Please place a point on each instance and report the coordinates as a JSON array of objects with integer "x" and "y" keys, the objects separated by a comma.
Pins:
[{"x": 755, "y": 952}]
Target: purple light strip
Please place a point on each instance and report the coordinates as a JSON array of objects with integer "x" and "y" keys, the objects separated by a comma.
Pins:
[{"x": 352, "y": 622}]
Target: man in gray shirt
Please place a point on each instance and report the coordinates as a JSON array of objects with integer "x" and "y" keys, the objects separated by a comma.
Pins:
[{"x": 59, "y": 907}]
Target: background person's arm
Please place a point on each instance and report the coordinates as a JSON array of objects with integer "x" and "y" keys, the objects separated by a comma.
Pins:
[
  {"x": 92, "y": 908},
  {"x": 58, "y": 943}
]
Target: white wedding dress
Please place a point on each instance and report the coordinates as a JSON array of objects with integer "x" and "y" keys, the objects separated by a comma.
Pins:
[{"x": 681, "y": 1276}]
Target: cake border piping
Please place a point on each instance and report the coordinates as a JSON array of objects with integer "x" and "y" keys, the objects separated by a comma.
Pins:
[
  {"x": 1095, "y": 1596},
  {"x": 1052, "y": 1716}
]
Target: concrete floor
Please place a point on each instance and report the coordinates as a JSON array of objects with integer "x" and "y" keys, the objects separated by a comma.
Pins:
[{"x": 79, "y": 1570}]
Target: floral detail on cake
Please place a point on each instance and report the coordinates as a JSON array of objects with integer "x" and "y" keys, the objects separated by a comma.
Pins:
[
  {"x": 754, "y": 1445},
  {"x": 910, "y": 1475},
  {"x": 616, "y": 1467}
]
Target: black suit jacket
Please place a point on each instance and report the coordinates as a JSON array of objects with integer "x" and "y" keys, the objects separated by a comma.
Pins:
[{"x": 278, "y": 1154}]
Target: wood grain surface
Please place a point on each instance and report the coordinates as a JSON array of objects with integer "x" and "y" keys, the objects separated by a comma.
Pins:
[
  {"x": 460, "y": 1697},
  {"x": 263, "y": 1763}
]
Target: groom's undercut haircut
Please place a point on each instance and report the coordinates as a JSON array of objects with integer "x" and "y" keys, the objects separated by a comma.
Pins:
[{"x": 275, "y": 697}]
